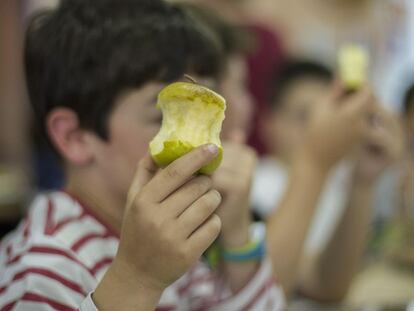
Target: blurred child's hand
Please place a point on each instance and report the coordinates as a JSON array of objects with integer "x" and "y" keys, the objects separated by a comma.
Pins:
[
  {"x": 337, "y": 125},
  {"x": 383, "y": 145},
  {"x": 169, "y": 220},
  {"x": 233, "y": 179}
]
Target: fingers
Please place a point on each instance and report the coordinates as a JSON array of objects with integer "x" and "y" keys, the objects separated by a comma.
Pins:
[
  {"x": 145, "y": 171},
  {"x": 224, "y": 181},
  {"x": 190, "y": 192},
  {"x": 237, "y": 136},
  {"x": 386, "y": 133},
  {"x": 360, "y": 104},
  {"x": 337, "y": 91},
  {"x": 178, "y": 172},
  {"x": 377, "y": 136},
  {"x": 205, "y": 235},
  {"x": 195, "y": 215},
  {"x": 391, "y": 123},
  {"x": 236, "y": 170},
  {"x": 238, "y": 156}
]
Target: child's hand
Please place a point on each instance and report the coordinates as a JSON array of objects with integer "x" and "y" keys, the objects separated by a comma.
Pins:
[
  {"x": 337, "y": 125},
  {"x": 383, "y": 145},
  {"x": 233, "y": 179},
  {"x": 169, "y": 220}
]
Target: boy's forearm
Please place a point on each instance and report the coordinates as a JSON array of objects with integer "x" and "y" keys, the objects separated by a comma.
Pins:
[
  {"x": 122, "y": 292},
  {"x": 238, "y": 275},
  {"x": 288, "y": 227},
  {"x": 329, "y": 276}
]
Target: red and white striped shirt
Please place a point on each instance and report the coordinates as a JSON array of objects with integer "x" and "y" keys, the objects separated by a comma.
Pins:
[{"x": 59, "y": 253}]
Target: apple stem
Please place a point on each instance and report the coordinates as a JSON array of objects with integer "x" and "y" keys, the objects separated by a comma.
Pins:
[{"x": 190, "y": 78}]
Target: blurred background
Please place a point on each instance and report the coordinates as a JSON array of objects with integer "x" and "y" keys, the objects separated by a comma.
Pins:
[{"x": 289, "y": 54}]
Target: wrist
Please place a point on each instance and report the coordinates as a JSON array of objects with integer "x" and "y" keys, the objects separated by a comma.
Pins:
[
  {"x": 252, "y": 250},
  {"x": 122, "y": 290},
  {"x": 310, "y": 166},
  {"x": 235, "y": 237}
]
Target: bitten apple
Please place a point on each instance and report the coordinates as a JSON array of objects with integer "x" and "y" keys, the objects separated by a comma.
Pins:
[{"x": 192, "y": 116}]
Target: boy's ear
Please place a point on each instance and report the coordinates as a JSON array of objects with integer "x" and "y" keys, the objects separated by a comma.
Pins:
[{"x": 68, "y": 137}]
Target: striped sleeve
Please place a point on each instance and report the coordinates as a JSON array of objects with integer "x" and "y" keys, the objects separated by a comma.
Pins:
[
  {"x": 261, "y": 293},
  {"x": 45, "y": 277},
  {"x": 206, "y": 289},
  {"x": 88, "y": 304}
]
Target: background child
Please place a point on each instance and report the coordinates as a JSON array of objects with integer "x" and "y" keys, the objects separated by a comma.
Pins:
[
  {"x": 338, "y": 233},
  {"x": 384, "y": 279}
]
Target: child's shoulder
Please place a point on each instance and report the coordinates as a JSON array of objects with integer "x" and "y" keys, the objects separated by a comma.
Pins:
[
  {"x": 37, "y": 262},
  {"x": 60, "y": 232}
]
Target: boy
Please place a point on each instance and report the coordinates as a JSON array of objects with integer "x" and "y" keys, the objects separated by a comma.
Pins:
[
  {"x": 94, "y": 70},
  {"x": 339, "y": 229}
]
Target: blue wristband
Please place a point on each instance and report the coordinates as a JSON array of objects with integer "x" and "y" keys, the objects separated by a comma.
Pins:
[{"x": 254, "y": 251}]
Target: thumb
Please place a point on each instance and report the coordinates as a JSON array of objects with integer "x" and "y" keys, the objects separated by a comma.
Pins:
[{"x": 145, "y": 171}]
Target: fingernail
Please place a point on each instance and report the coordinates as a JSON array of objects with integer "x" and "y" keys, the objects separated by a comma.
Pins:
[{"x": 212, "y": 148}]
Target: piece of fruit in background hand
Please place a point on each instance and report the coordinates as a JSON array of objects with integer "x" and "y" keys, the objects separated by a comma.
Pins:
[
  {"x": 192, "y": 115},
  {"x": 353, "y": 61}
]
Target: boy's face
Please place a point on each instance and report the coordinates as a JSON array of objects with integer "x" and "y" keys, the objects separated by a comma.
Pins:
[
  {"x": 133, "y": 122},
  {"x": 287, "y": 125}
]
